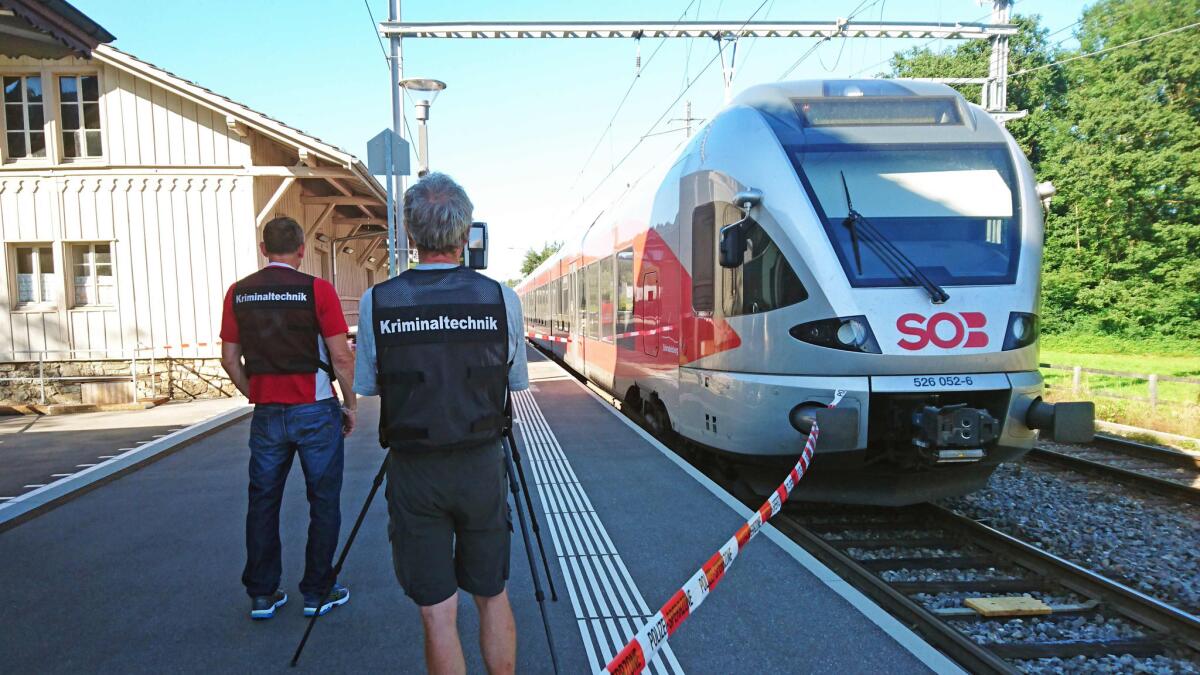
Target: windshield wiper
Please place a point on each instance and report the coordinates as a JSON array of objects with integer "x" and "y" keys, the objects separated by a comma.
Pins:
[{"x": 893, "y": 257}]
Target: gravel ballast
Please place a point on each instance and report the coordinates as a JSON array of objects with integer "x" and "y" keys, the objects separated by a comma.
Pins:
[{"x": 1149, "y": 543}]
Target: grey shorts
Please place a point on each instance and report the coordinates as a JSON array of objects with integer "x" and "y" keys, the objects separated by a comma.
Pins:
[{"x": 449, "y": 522}]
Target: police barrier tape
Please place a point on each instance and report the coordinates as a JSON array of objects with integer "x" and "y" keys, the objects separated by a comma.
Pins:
[{"x": 654, "y": 633}]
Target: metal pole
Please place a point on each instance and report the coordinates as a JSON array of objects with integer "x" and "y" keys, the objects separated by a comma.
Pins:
[
  {"x": 400, "y": 247},
  {"x": 391, "y": 209},
  {"x": 42, "y": 374},
  {"x": 133, "y": 373},
  {"x": 423, "y": 144}
]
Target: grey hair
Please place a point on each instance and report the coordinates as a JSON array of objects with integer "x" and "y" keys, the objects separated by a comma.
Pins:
[{"x": 437, "y": 213}]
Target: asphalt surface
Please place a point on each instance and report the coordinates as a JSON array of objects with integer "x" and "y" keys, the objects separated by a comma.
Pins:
[
  {"x": 34, "y": 448},
  {"x": 142, "y": 574},
  {"x": 769, "y": 614}
]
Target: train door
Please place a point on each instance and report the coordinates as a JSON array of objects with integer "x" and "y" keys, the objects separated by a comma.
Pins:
[
  {"x": 650, "y": 313},
  {"x": 698, "y": 336}
]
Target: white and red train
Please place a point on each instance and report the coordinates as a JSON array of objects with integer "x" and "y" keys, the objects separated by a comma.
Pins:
[{"x": 882, "y": 237}]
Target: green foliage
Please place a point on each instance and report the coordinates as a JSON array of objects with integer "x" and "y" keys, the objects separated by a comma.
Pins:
[
  {"x": 535, "y": 257},
  {"x": 1119, "y": 135}
]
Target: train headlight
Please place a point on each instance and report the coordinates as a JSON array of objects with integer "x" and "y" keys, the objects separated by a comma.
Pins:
[
  {"x": 1022, "y": 330},
  {"x": 850, "y": 333}
]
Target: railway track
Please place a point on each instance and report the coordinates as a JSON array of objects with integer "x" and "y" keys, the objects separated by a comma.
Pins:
[
  {"x": 1151, "y": 468},
  {"x": 920, "y": 562}
]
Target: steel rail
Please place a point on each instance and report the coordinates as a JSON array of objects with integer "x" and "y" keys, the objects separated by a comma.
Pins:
[
  {"x": 1140, "y": 607},
  {"x": 1128, "y": 477},
  {"x": 1154, "y": 453},
  {"x": 972, "y": 656},
  {"x": 1044, "y": 571}
]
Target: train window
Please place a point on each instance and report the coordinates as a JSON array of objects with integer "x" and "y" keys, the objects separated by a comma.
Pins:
[
  {"x": 593, "y": 299},
  {"x": 857, "y": 111},
  {"x": 765, "y": 280},
  {"x": 607, "y": 291},
  {"x": 953, "y": 210},
  {"x": 564, "y": 303},
  {"x": 625, "y": 291},
  {"x": 703, "y": 256},
  {"x": 552, "y": 290}
]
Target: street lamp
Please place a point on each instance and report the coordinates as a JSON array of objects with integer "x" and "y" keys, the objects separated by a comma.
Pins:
[{"x": 424, "y": 91}]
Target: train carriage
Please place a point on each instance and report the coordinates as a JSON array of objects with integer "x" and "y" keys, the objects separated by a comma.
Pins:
[{"x": 880, "y": 237}]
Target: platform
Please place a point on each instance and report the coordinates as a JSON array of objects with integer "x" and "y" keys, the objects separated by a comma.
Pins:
[{"x": 142, "y": 574}]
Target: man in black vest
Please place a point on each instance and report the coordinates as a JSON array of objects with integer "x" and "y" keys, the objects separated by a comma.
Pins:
[
  {"x": 283, "y": 339},
  {"x": 442, "y": 345}
]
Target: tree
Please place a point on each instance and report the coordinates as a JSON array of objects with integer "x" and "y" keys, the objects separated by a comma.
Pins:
[
  {"x": 535, "y": 257},
  {"x": 1124, "y": 233},
  {"x": 1042, "y": 93},
  {"x": 1118, "y": 134}
]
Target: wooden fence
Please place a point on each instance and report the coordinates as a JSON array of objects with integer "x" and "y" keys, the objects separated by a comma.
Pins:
[{"x": 1152, "y": 381}]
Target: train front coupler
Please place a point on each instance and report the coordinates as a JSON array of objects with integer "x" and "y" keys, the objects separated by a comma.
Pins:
[
  {"x": 1067, "y": 422},
  {"x": 954, "y": 433}
]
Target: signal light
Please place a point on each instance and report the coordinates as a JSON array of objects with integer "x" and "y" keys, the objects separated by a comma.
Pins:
[
  {"x": 850, "y": 333},
  {"x": 1022, "y": 331}
]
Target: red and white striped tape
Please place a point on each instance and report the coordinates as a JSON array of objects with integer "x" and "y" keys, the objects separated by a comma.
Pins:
[
  {"x": 556, "y": 338},
  {"x": 654, "y": 633}
]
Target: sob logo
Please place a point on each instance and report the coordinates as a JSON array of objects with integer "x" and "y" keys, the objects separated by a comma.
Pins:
[{"x": 944, "y": 329}]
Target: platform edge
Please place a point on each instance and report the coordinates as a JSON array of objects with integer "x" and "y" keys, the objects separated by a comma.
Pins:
[
  {"x": 910, "y": 641},
  {"x": 35, "y": 502}
]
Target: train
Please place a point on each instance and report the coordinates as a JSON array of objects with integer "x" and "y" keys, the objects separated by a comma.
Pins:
[{"x": 877, "y": 242}]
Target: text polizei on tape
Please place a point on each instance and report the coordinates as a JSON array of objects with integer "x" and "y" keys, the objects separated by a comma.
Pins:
[{"x": 658, "y": 628}]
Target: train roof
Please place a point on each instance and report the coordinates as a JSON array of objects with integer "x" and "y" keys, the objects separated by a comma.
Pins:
[{"x": 819, "y": 112}]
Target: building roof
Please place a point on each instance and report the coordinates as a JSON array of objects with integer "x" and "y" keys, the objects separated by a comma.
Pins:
[
  {"x": 237, "y": 112},
  {"x": 57, "y": 24}
]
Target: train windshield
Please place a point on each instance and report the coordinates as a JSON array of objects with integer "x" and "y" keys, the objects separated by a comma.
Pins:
[{"x": 952, "y": 210}]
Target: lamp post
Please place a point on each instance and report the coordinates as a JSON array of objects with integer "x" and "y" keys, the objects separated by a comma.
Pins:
[{"x": 424, "y": 92}]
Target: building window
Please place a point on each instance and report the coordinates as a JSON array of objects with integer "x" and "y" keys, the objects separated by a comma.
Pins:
[
  {"x": 92, "y": 275},
  {"x": 79, "y": 103},
  {"x": 24, "y": 116},
  {"x": 35, "y": 275}
]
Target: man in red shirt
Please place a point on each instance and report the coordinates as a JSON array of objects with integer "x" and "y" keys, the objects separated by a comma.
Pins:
[{"x": 284, "y": 336}]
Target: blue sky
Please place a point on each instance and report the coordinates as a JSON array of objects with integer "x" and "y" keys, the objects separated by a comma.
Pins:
[{"x": 519, "y": 117}]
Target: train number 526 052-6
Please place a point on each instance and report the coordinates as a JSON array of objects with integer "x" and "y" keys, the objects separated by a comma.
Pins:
[{"x": 942, "y": 381}]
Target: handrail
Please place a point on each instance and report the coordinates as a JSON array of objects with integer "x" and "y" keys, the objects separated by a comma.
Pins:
[{"x": 41, "y": 360}]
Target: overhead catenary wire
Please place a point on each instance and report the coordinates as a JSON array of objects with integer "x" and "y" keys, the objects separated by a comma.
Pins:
[
  {"x": 921, "y": 46},
  {"x": 812, "y": 50},
  {"x": 387, "y": 60},
  {"x": 629, "y": 90},
  {"x": 1105, "y": 50},
  {"x": 665, "y": 112}
]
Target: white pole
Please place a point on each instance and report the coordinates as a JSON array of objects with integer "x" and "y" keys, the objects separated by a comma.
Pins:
[{"x": 401, "y": 237}]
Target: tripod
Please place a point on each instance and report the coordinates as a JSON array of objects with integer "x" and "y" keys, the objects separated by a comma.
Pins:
[
  {"x": 337, "y": 568},
  {"x": 515, "y": 472}
]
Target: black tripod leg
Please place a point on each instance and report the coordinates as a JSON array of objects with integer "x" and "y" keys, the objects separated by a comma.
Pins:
[
  {"x": 337, "y": 568},
  {"x": 537, "y": 584},
  {"x": 537, "y": 531}
]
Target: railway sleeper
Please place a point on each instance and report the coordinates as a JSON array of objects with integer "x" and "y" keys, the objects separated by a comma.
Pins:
[
  {"x": 919, "y": 542},
  {"x": 1088, "y": 609},
  {"x": 942, "y": 563},
  {"x": 974, "y": 585},
  {"x": 1136, "y": 647}
]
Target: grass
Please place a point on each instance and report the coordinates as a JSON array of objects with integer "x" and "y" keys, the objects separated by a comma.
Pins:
[{"x": 1178, "y": 409}]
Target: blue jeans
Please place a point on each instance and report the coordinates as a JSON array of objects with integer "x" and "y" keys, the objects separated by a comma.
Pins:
[{"x": 277, "y": 432}]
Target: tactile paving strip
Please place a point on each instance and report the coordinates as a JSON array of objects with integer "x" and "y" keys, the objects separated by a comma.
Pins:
[{"x": 608, "y": 606}]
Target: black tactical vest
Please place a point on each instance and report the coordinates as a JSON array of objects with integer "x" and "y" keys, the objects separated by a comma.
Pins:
[
  {"x": 277, "y": 319},
  {"x": 441, "y": 344}
]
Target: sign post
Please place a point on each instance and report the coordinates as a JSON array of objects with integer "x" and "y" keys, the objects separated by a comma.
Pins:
[{"x": 387, "y": 155}]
